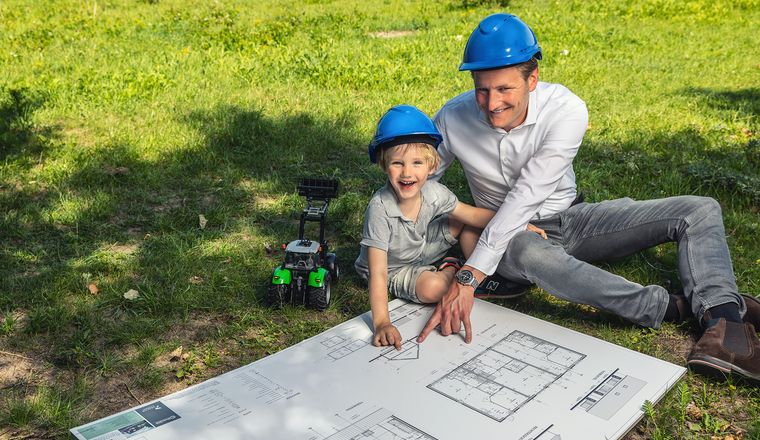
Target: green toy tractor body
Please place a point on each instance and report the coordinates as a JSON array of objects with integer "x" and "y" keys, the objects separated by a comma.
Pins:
[{"x": 309, "y": 269}]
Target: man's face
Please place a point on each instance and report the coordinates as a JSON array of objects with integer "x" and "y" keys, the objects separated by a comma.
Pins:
[{"x": 502, "y": 95}]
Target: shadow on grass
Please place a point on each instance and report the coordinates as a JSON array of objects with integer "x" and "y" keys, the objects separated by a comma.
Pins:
[
  {"x": 122, "y": 221},
  {"x": 18, "y": 136},
  {"x": 746, "y": 101},
  {"x": 662, "y": 164}
]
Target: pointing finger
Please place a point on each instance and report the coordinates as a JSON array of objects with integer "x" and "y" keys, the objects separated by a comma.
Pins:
[
  {"x": 434, "y": 320},
  {"x": 467, "y": 328}
]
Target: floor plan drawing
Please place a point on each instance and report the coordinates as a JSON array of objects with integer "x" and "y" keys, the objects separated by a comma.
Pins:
[
  {"x": 333, "y": 341},
  {"x": 406, "y": 312},
  {"x": 547, "y": 434},
  {"x": 610, "y": 395},
  {"x": 502, "y": 379},
  {"x": 261, "y": 387},
  {"x": 380, "y": 425},
  {"x": 410, "y": 350},
  {"x": 520, "y": 378},
  {"x": 347, "y": 349}
]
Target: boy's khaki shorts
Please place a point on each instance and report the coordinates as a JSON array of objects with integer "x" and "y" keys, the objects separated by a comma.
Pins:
[{"x": 402, "y": 282}]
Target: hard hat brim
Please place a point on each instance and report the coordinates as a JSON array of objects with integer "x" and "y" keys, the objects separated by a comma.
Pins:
[
  {"x": 432, "y": 139},
  {"x": 496, "y": 64}
]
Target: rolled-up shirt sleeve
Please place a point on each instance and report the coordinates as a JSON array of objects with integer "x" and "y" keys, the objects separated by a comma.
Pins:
[
  {"x": 538, "y": 179},
  {"x": 377, "y": 232}
]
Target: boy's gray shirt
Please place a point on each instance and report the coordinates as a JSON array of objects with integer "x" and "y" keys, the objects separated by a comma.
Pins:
[{"x": 387, "y": 229}]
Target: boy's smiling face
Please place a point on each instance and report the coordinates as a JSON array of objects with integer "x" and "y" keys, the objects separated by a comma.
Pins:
[{"x": 408, "y": 169}]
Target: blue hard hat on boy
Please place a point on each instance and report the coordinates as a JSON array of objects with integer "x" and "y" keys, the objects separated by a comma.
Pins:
[
  {"x": 403, "y": 124},
  {"x": 500, "y": 40}
]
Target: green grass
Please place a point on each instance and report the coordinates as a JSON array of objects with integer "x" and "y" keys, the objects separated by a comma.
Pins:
[{"x": 123, "y": 121}]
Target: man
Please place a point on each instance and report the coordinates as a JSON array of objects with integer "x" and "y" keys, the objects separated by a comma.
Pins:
[{"x": 516, "y": 139}]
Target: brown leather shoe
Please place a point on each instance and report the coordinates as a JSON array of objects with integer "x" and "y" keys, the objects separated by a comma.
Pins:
[
  {"x": 753, "y": 312},
  {"x": 727, "y": 348}
]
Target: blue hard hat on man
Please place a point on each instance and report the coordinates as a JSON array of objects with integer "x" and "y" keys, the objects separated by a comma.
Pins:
[
  {"x": 500, "y": 40},
  {"x": 403, "y": 124}
]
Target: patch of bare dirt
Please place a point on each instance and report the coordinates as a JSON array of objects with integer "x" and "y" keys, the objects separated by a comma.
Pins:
[
  {"x": 21, "y": 375},
  {"x": 22, "y": 369},
  {"x": 15, "y": 369},
  {"x": 674, "y": 346},
  {"x": 20, "y": 319},
  {"x": 22, "y": 434},
  {"x": 265, "y": 201},
  {"x": 197, "y": 327},
  {"x": 169, "y": 203},
  {"x": 135, "y": 232},
  {"x": 81, "y": 135},
  {"x": 127, "y": 249},
  {"x": 392, "y": 34},
  {"x": 115, "y": 171},
  {"x": 639, "y": 432},
  {"x": 209, "y": 200},
  {"x": 117, "y": 393}
]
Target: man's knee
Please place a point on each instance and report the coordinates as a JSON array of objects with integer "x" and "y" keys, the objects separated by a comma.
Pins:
[
  {"x": 702, "y": 207},
  {"x": 526, "y": 249}
]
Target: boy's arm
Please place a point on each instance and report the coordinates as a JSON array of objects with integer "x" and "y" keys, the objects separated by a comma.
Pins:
[
  {"x": 479, "y": 217},
  {"x": 385, "y": 332},
  {"x": 471, "y": 215}
]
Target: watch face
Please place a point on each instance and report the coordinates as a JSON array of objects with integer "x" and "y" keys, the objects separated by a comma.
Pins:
[{"x": 464, "y": 276}]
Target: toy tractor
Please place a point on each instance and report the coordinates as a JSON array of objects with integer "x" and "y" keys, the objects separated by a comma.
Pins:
[{"x": 309, "y": 269}]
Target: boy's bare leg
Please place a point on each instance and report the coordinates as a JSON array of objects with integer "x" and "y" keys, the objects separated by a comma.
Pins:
[{"x": 432, "y": 285}]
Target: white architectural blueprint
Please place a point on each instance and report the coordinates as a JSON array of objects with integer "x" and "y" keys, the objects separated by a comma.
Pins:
[{"x": 521, "y": 378}]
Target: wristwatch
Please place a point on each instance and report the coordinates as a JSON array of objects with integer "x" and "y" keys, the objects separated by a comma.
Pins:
[{"x": 466, "y": 278}]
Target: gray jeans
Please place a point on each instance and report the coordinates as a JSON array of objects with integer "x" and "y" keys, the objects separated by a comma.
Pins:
[{"x": 590, "y": 232}]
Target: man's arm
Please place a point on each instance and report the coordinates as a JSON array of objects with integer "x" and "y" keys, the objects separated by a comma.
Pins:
[{"x": 537, "y": 181}]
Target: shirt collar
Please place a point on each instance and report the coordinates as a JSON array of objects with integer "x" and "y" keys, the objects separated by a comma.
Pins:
[
  {"x": 532, "y": 115},
  {"x": 390, "y": 202}
]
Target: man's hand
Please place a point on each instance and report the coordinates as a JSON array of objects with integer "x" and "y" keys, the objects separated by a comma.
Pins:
[
  {"x": 453, "y": 310},
  {"x": 387, "y": 334},
  {"x": 537, "y": 230}
]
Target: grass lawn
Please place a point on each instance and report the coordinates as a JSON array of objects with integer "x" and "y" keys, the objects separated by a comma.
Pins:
[{"x": 122, "y": 122}]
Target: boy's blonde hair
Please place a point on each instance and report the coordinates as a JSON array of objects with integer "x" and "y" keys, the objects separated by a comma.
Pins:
[{"x": 428, "y": 152}]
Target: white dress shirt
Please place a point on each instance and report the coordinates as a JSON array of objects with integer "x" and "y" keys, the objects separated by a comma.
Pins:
[{"x": 525, "y": 173}]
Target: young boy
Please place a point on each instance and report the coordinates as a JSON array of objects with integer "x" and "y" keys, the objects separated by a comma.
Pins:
[{"x": 410, "y": 223}]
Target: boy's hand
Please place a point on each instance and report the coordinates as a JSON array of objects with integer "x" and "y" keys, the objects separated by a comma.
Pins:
[
  {"x": 537, "y": 230},
  {"x": 387, "y": 334}
]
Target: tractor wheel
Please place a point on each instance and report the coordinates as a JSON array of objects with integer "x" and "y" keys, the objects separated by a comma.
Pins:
[
  {"x": 278, "y": 295},
  {"x": 319, "y": 297},
  {"x": 332, "y": 266}
]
